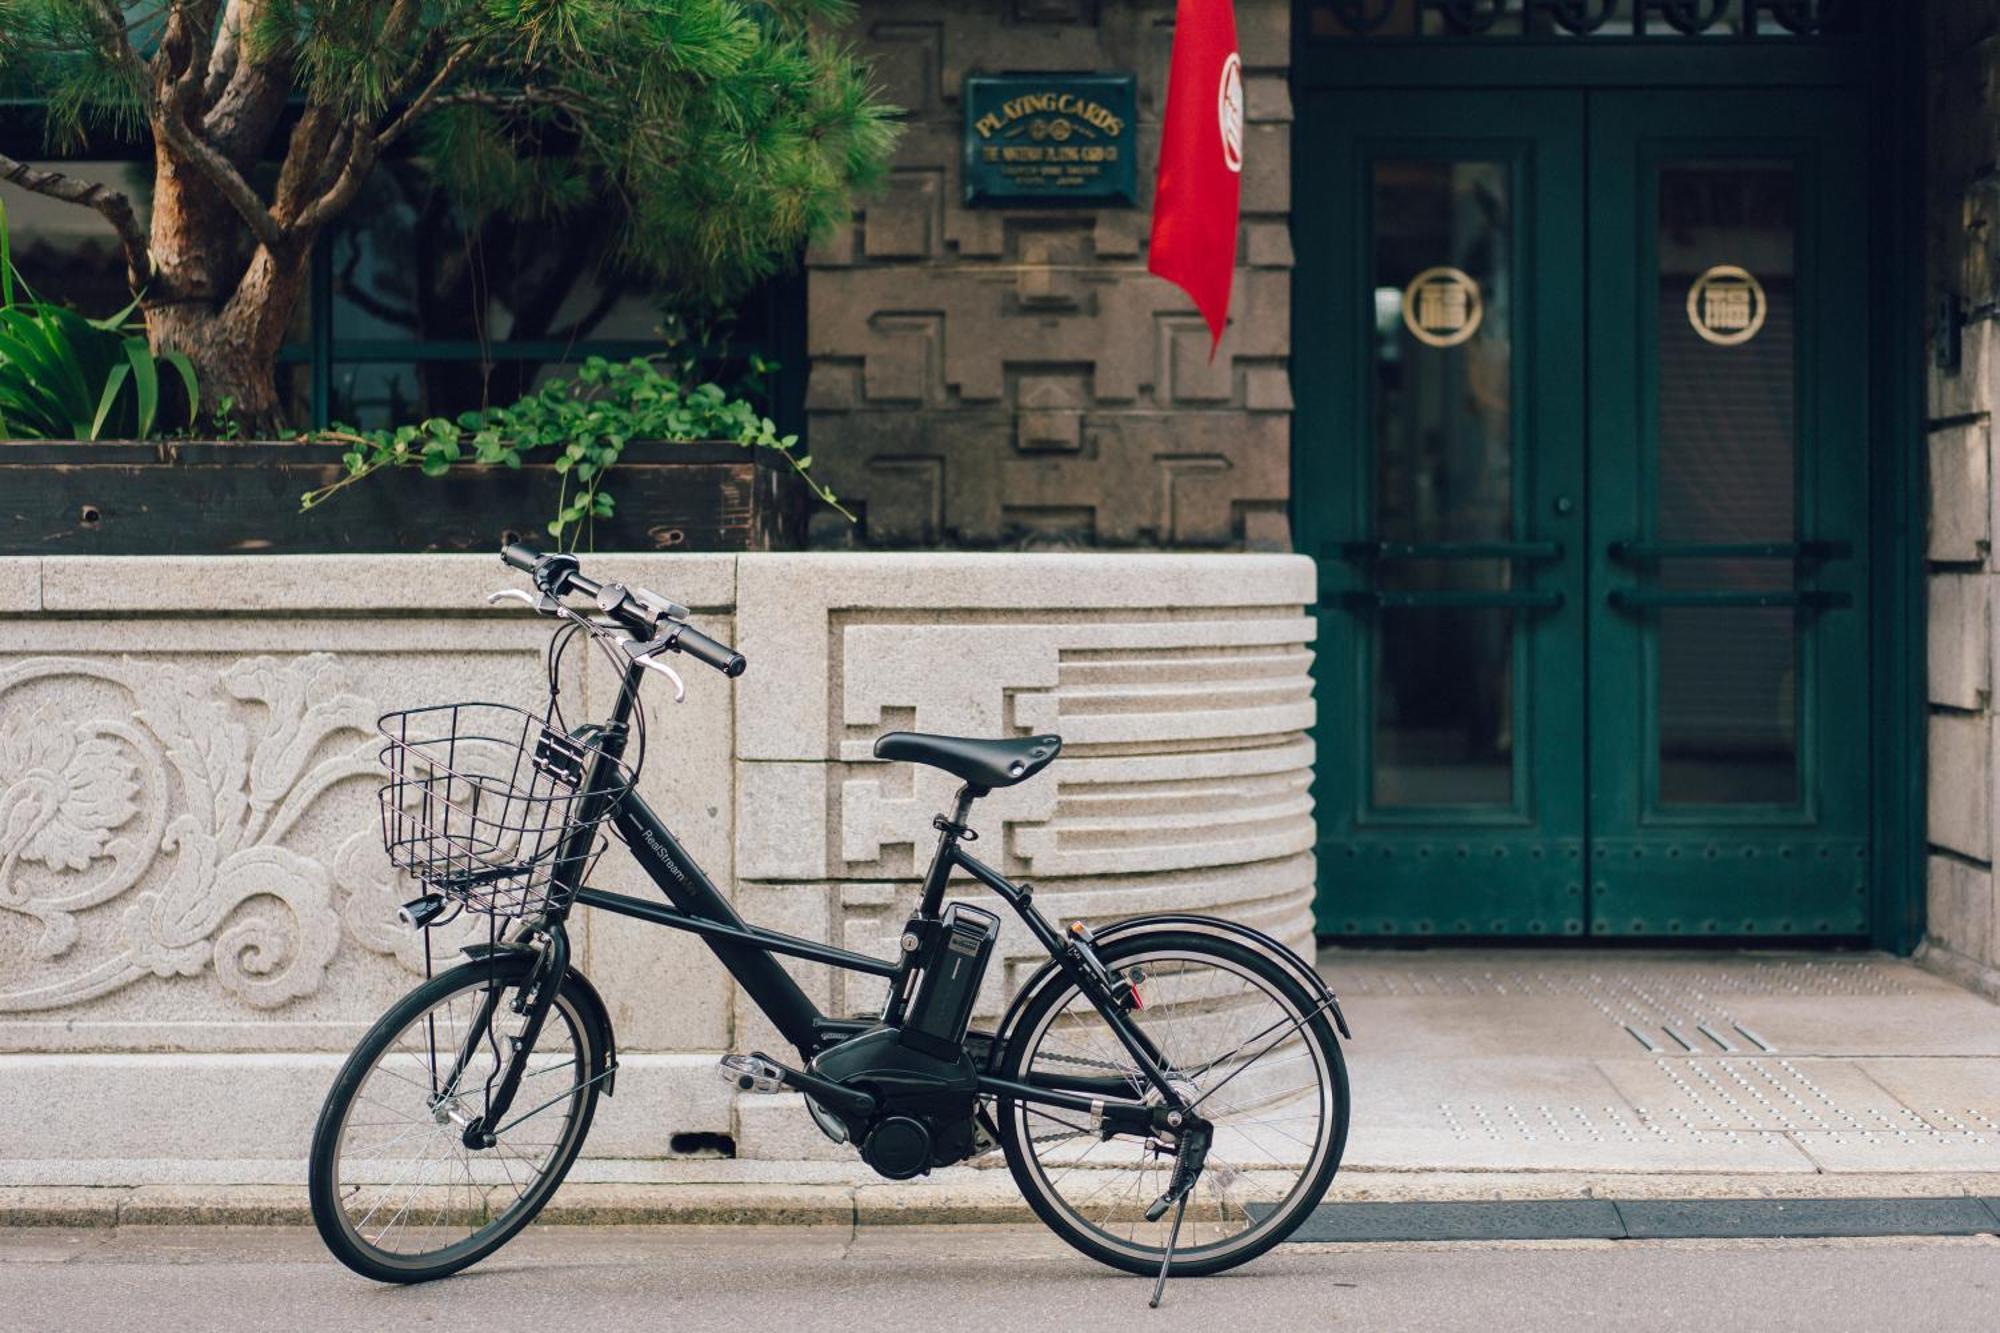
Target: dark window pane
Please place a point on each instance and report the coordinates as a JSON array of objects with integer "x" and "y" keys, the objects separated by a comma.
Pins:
[
  {"x": 1726, "y": 375},
  {"x": 1573, "y": 19},
  {"x": 1444, "y": 707},
  {"x": 390, "y": 393},
  {"x": 406, "y": 269},
  {"x": 295, "y": 392},
  {"x": 1444, "y": 444},
  {"x": 1444, "y": 472},
  {"x": 69, "y": 254},
  {"x": 1728, "y": 706},
  {"x": 373, "y": 394},
  {"x": 1726, "y": 473}
]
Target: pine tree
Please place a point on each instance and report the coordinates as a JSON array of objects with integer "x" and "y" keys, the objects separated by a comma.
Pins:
[{"x": 720, "y": 134}]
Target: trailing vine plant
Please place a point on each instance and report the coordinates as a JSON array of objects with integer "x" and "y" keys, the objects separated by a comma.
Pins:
[{"x": 585, "y": 422}]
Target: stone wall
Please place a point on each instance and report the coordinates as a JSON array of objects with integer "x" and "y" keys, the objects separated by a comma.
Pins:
[
  {"x": 196, "y": 918},
  {"x": 1009, "y": 376},
  {"x": 1963, "y": 244}
]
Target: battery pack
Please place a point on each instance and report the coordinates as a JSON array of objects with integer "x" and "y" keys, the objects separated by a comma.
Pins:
[{"x": 942, "y": 1007}]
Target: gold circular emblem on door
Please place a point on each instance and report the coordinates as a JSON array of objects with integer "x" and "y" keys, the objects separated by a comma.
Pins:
[
  {"x": 1441, "y": 306},
  {"x": 1726, "y": 305}
]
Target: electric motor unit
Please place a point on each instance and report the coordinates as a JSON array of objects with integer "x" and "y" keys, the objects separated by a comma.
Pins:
[
  {"x": 898, "y": 1147},
  {"x": 956, "y": 960}
]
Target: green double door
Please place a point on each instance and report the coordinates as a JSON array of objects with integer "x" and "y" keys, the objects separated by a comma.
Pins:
[{"x": 1583, "y": 406}]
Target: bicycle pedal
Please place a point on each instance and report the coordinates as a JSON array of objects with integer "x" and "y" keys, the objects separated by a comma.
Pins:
[{"x": 751, "y": 1074}]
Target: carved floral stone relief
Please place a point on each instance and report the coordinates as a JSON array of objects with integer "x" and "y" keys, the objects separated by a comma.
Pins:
[{"x": 178, "y": 816}]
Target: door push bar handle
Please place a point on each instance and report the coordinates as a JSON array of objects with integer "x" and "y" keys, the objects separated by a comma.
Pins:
[
  {"x": 1470, "y": 597},
  {"x": 1647, "y": 599},
  {"x": 1647, "y": 552},
  {"x": 1527, "y": 551}
]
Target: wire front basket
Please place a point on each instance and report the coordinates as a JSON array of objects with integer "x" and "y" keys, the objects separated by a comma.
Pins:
[{"x": 486, "y": 803}]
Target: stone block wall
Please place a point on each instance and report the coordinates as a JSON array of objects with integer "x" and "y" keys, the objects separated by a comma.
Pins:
[
  {"x": 197, "y": 918},
  {"x": 987, "y": 377},
  {"x": 1963, "y": 271}
]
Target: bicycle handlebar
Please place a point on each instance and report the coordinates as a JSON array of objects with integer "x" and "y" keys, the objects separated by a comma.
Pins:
[
  {"x": 644, "y": 614},
  {"x": 521, "y": 556},
  {"x": 704, "y": 649}
]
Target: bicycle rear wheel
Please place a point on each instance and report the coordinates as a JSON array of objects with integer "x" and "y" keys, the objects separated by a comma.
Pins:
[
  {"x": 396, "y": 1193},
  {"x": 1242, "y": 1041}
]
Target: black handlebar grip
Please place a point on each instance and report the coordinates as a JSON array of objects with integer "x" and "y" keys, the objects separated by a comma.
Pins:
[
  {"x": 520, "y": 556},
  {"x": 704, "y": 649}
]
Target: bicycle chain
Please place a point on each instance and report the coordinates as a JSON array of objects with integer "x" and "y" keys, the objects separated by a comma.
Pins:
[
  {"x": 1088, "y": 1063},
  {"x": 1125, "y": 1070}
]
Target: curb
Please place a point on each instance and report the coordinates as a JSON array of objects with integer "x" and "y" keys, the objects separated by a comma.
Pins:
[{"x": 928, "y": 1203}]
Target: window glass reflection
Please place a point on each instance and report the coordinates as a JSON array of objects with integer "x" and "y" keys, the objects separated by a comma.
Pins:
[
  {"x": 1726, "y": 469},
  {"x": 1443, "y": 703}
]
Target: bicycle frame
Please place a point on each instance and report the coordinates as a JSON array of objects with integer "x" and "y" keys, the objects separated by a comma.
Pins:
[{"x": 749, "y": 952}]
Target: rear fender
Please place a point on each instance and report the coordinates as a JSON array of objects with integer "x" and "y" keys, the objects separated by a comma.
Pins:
[
  {"x": 1300, "y": 970},
  {"x": 1293, "y": 965}
]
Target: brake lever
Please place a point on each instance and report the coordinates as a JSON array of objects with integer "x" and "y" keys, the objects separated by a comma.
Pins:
[
  {"x": 642, "y": 653},
  {"x": 542, "y": 605},
  {"x": 680, "y": 686}
]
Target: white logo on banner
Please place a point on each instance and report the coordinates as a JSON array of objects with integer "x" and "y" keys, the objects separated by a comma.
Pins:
[{"x": 1229, "y": 111}]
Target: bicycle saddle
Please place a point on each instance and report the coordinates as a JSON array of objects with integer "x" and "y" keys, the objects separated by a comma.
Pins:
[{"x": 982, "y": 763}]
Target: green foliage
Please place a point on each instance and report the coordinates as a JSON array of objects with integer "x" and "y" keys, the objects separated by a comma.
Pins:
[
  {"x": 223, "y": 419},
  {"x": 725, "y": 134},
  {"x": 62, "y": 53},
  {"x": 714, "y": 138},
  {"x": 581, "y": 426},
  {"x": 66, "y": 377}
]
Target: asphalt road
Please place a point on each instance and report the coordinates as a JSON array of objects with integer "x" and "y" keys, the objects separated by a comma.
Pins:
[{"x": 792, "y": 1279}]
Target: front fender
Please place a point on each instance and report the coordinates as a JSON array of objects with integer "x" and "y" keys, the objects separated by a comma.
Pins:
[{"x": 595, "y": 1012}]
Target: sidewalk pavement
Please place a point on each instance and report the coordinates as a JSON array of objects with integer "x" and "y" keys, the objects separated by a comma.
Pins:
[{"x": 1475, "y": 1075}]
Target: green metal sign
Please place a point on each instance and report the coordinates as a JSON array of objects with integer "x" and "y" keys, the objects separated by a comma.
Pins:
[{"x": 1051, "y": 138}]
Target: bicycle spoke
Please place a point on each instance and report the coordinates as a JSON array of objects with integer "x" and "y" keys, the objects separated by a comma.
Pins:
[
  {"x": 407, "y": 1184},
  {"x": 1209, "y": 1020},
  {"x": 415, "y": 1164}
]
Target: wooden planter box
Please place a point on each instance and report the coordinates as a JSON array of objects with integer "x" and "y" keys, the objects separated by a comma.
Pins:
[{"x": 207, "y": 498}]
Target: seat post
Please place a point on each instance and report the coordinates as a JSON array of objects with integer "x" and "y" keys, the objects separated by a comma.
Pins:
[{"x": 941, "y": 861}]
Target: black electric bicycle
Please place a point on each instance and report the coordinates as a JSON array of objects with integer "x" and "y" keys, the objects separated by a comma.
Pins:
[{"x": 1169, "y": 1091}]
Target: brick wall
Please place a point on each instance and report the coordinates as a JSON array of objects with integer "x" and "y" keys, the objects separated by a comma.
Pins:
[
  {"x": 1013, "y": 377},
  {"x": 1963, "y": 243}
]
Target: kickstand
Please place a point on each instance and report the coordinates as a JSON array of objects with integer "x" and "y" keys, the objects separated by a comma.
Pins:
[{"x": 1173, "y": 1238}]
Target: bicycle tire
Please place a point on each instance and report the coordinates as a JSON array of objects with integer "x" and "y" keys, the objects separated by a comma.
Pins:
[
  {"x": 1033, "y": 1178},
  {"x": 572, "y": 1008}
]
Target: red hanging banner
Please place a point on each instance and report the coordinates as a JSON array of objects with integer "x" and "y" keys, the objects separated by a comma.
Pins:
[{"x": 1198, "y": 192}]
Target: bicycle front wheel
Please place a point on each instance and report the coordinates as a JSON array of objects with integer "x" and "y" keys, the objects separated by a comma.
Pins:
[
  {"x": 396, "y": 1193},
  {"x": 1243, "y": 1042}
]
